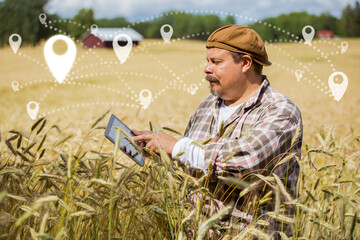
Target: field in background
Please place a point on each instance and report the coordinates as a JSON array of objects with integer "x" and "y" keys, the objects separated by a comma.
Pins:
[{"x": 99, "y": 82}]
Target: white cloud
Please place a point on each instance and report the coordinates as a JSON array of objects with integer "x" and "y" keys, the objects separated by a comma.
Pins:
[{"x": 264, "y": 3}]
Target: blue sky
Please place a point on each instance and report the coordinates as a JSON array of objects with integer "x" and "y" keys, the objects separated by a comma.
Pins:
[{"x": 135, "y": 10}]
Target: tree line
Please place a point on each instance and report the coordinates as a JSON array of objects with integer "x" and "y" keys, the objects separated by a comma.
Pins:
[{"x": 22, "y": 17}]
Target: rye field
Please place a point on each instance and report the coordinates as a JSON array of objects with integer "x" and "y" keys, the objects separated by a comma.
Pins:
[{"x": 61, "y": 179}]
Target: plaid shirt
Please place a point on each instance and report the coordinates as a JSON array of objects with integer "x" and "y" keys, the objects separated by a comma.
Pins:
[{"x": 258, "y": 135}]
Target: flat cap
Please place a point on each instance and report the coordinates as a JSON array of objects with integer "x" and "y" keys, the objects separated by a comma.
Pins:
[{"x": 241, "y": 39}]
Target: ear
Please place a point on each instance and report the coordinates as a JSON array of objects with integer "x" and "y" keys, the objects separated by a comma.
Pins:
[{"x": 247, "y": 62}]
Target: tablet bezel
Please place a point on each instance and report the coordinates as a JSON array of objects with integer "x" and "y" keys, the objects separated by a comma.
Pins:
[{"x": 111, "y": 135}]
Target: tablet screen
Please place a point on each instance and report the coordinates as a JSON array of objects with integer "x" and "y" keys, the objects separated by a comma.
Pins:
[{"x": 110, "y": 133}]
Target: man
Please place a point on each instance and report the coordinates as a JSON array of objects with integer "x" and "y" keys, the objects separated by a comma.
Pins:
[{"x": 251, "y": 125}]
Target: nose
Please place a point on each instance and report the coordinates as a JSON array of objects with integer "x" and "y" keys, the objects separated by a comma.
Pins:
[{"x": 208, "y": 68}]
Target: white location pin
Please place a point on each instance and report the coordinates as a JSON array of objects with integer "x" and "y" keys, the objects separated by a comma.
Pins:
[
  {"x": 32, "y": 109},
  {"x": 166, "y": 35},
  {"x": 15, "y": 86},
  {"x": 193, "y": 88},
  {"x": 344, "y": 47},
  {"x": 338, "y": 89},
  {"x": 15, "y": 44},
  {"x": 298, "y": 75},
  {"x": 122, "y": 52},
  {"x": 60, "y": 65},
  {"x": 308, "y": 36},
  {"x": 42, "y": 18},
  {"x": 145, "y": 100},
  {"x": 94, "y": 29}
]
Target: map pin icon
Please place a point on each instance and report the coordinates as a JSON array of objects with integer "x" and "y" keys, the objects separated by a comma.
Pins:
[
  {"x": 166, "y": 35},
  {"x": 122, "y": 52},
  {"x": 32, "y": 111},
  {"x": 42, "y": 18},
  {"x": 344, "y": 47},
  {"x": 94, "y": 29},
  {"x": 15, "y": 86},
  {"x": 15, "y": 44},
  {"x": 298, "y": 75},
  {"x": 60, "y": 65},
  {"x": 308, "y": 36},
  {"x": 338, "y": 89},
  {"x": 193, "y": 88},
  {"x": 145, "y": 100}
]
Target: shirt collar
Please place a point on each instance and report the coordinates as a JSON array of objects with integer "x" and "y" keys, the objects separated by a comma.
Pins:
[{"x": 256, "y": 97}]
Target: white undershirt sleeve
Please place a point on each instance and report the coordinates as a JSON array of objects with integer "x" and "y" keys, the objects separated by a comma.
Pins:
[{"x": 193, "y": 155}]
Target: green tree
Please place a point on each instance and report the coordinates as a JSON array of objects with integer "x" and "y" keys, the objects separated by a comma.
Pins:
[
  {"x": 142, "y": 28},
  {"x": 197, "y": 25},
  {"x": 81, "y": 21},
  {"x": 118, "y": 22},
  {"x": 21, "y": 17},
  {"x": 228, "y": 20},
  {"x": 294, "y": 23},
  {"x": 350, "y": 21},
  {"x": 185, "y": 24},
  {"x": 328, "y": 22},
  {"x": 212, "y": 23}
]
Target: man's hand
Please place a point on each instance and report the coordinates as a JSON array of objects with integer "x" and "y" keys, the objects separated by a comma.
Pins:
[{"x": 153, "y": 140}]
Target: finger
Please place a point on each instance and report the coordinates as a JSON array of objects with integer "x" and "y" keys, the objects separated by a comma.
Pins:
[
  {"x": 136, "y": 132},
  {"x": 144, "y": 137},
  {"x": 152, "y": 146}
]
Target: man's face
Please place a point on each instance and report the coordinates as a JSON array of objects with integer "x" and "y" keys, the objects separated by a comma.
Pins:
[{"x": 226, "y": 77}]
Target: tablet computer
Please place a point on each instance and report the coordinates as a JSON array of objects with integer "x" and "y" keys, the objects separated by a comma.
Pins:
[{"x": 131, "y": 151}]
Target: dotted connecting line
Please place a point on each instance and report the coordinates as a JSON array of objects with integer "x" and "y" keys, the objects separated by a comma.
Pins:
[
  {"x": 71, "y": 82},
  {"x": 33, "y": 60},
  {"x": 118, "y": 104},
  {"x": 304, "y": 78},
  {"x": 36, "y": 82},
  {"x": 122, "y": 81},
  {"x": 188, "y": 36},
  {"x": 145, "y": 45},
  {"x": 93, "y": 65},
  {"x": 202, "y": 11},
  {"x": 327, "y": 42},
  {"x": 69, "y": 21},
  {"x": 302, "y": 65},
  {"x": 89, "y": 50},
  {"x": 256, "y": 21},
  {"x": 59, "y": 30},
  {"x": 191, "y": 70},
  {"x": 159, "y": 62},
  {"x": 196, "y": 11},
  {"x": 75, "y": 40},
  {"x": 88, "y": 104},
  {"x": 324, "y": 56},
  {"x": 315, "y": 48}
]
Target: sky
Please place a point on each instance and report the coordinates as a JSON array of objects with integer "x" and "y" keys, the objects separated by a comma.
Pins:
[{"x": 137, "y": 10}]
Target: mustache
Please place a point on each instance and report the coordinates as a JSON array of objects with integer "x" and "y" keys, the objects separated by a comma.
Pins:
[{"x": 211, "y": 78}]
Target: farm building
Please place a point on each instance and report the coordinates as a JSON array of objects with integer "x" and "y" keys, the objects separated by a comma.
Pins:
[
  {"x": 325, "y": 34},
  {"x": 103, "y": 38}
]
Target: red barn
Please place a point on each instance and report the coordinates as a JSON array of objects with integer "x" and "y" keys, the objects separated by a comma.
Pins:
[
  {"x": 325, "y": 34},
  {"x": 103, "y": 37}
]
